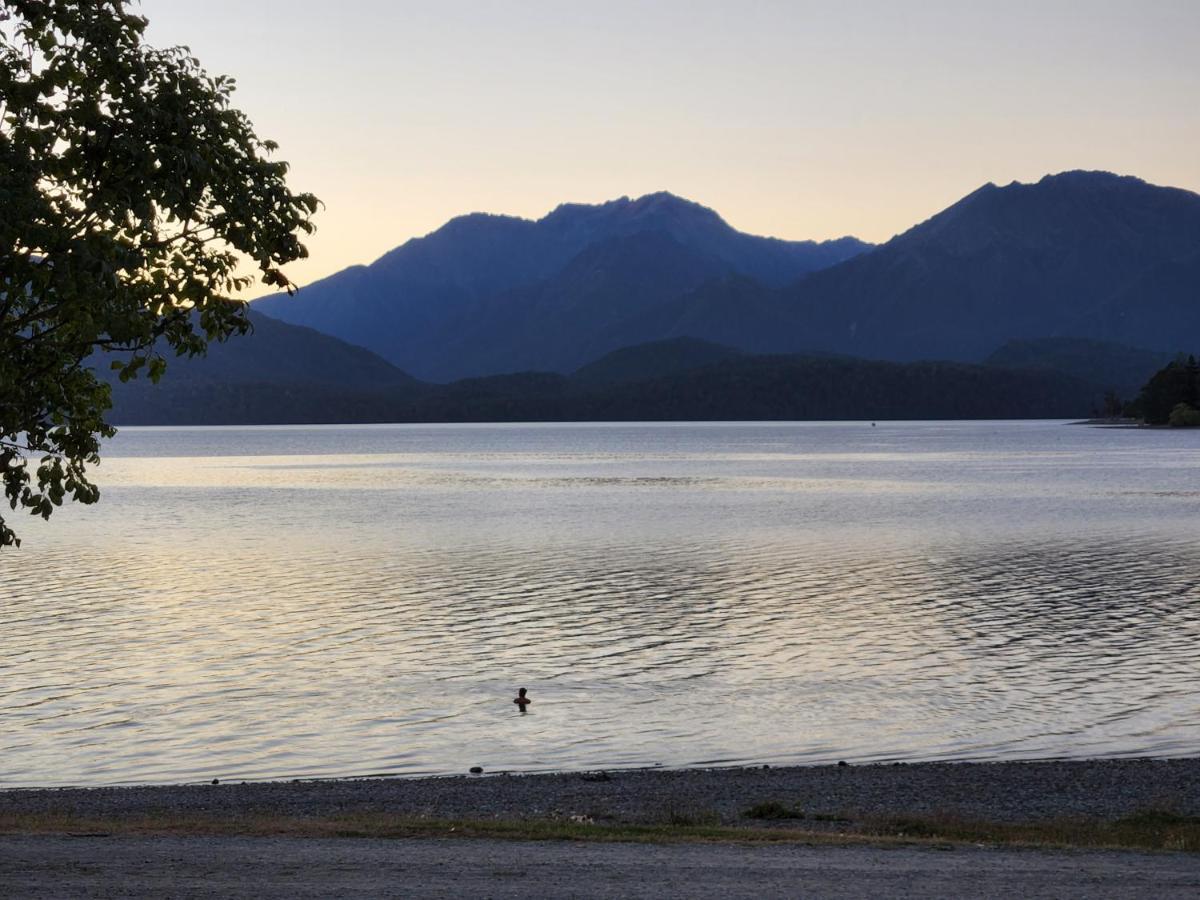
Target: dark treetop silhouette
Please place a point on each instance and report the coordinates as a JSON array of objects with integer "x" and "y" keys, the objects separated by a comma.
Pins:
[{"x": 1172, "y": 396}]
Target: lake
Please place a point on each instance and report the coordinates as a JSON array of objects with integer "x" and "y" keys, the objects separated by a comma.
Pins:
[{"x": 294, "y": 602}]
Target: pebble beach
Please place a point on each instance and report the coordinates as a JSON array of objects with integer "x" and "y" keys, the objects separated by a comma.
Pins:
[{"x": 829, "y": 796}]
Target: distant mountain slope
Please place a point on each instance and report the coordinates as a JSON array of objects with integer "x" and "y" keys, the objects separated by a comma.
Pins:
[
  {"x": 576, "y": 315},
  {"x": 670, "y": 380},
  {"x": 255, "y": 403},
  {"x": 767, "y": 259},
  {"x": 496, "y": 293},
  {"x": 734, "y": 310},
  {"x": 278, "y": 373},
  {"x": 277, "y": 352},
  {"x": 654, "y": 360},
  {"x": 817, "y": 388},
  {"x": 1112, "y": 366},
  {"x": 786, "y": 387},
  {"x": 1086, "y": 255},
  {"x": 1160, "y": 308},
  {"x": 1074, "y": 254}
]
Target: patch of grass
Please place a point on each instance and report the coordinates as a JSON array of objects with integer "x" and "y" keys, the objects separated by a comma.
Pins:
[
  {"x": 911, "y": 827},
  {"x": 772, "y": 810},
  {"x": 1156, "y": 818},
  {"x": 382, "y": 825},
  {"x": 1147, "y": 830},
  {"x": 690, "y": 816}
]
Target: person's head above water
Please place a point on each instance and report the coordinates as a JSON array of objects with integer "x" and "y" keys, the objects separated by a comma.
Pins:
[
  {"x": 521, "y": 699},
  {"x": 520, "y": 692}
]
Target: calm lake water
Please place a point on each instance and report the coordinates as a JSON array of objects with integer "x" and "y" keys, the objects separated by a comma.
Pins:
[{"x": 250, "y": 603}]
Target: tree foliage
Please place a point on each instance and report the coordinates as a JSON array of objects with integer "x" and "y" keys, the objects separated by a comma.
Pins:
[
  {"x": 1184, "y": 416},
  {"x": 133, "y": 195},
  {"x": 1176, "y": 384},
  {"x": 788, "y": 388}
]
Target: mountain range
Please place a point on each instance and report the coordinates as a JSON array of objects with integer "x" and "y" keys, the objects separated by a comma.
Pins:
[
  {"x": 1080, "y": 255},
  {"x": 490, "y": 294},
  {"x": 1038, "y": 299}
]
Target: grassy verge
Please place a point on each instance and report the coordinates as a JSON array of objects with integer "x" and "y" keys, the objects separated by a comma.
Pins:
[
  {"x": 1145, "y": 831},
  {"x": 1149, "y": 830}
]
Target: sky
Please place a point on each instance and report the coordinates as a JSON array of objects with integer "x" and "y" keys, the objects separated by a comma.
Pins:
[{"x": 794, "y": 119}]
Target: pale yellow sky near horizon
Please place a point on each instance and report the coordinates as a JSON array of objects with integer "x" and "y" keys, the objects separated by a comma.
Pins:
[{"x": 799, "y": 120}]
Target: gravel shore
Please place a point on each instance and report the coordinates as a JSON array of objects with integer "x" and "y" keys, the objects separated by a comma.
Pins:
[{"x": 1010, "y": 792}]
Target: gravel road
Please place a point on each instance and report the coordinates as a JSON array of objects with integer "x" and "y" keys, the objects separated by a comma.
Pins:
[{"x": 62, "y": 867}]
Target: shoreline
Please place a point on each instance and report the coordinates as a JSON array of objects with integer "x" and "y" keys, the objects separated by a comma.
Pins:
[
  {"x": 613, "y": 772},
  {"x": 841, "y": 800}
]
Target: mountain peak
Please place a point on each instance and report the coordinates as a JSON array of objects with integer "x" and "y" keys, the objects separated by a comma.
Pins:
[
  {"x": 499, "y": 293},
  {"x": 1075, "y": 253},
  {"x": 1088, "y": 177},
  {"x": 649, "y": 207},
  {"x": 666, "y": 200},
  {"x": 1036, "y": 212}
]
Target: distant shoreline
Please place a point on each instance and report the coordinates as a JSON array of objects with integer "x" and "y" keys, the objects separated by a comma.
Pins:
[
  {"x": 1117, "y": 423},
  {"x": 1128, "y": 425}
]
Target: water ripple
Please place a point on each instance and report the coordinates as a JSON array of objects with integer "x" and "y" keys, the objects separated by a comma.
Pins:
[{"x": 237, "y": 608}]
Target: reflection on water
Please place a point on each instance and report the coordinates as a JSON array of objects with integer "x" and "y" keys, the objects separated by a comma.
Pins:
[{"x": 238, "y": 607}]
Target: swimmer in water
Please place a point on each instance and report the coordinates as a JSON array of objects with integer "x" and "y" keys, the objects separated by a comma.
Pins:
[{"x": 521, "y": 700}]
